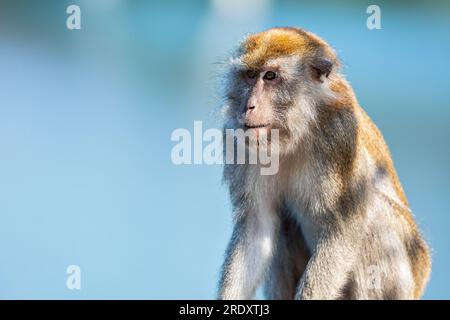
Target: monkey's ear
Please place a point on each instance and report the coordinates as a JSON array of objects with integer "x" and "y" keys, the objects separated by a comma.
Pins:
[{"x": 320, "y": 67}]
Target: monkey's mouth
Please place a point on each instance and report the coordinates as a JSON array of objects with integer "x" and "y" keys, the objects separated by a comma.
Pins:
[{"x": 248, "y": 126}]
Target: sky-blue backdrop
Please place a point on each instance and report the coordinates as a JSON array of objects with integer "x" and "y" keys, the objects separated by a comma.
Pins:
[{"x": 86, "y": 117}]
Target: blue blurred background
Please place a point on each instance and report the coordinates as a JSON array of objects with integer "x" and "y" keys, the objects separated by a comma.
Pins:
[{"x": 86, "y": 116}]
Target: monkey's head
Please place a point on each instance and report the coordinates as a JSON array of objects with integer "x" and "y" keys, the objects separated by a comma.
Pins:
[{"x": 276, "y": 80}]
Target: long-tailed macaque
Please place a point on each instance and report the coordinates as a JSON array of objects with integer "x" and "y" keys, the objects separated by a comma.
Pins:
[{"x": 333, "y": 222}]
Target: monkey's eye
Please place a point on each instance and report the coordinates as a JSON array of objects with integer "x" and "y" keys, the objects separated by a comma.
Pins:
[
  {"x": 251, "y": 74},
  {"x": 270, "y": 75}
]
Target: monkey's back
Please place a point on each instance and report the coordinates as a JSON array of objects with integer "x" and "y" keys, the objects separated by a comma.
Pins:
[{"x": 371, "y": 138}]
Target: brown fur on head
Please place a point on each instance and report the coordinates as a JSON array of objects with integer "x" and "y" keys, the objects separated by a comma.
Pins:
[
  {"x": 306, "y": 76},
  {"x": 277, "y": 42}
]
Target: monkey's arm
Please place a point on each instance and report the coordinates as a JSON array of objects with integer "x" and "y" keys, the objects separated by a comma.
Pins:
[
  {"x": 327, "y": 271},
  {"x": 248, "y": 255}
]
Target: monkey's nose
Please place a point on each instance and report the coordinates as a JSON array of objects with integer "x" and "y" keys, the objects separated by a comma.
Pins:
[{"x": 251, "y": 107}]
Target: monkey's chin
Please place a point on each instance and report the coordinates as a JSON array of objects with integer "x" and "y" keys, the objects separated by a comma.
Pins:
[{"x": 258, "y": 137}]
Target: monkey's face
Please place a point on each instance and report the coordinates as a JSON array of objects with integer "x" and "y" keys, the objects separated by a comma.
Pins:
[{"x": 275, "y": 82}]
